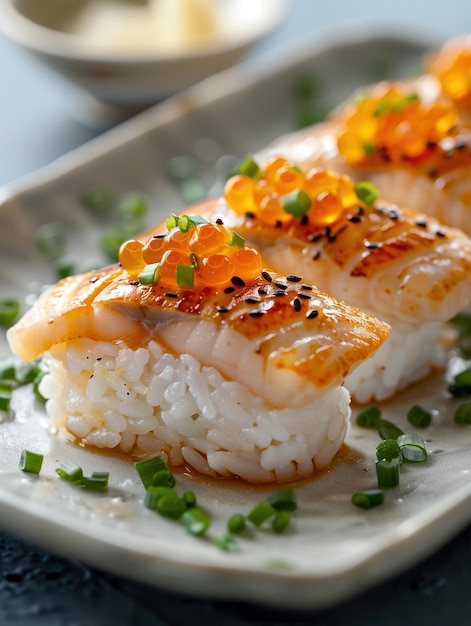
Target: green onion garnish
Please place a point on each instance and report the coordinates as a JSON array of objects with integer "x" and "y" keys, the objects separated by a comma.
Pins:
[
  {"x": 368, "y": 498},
  {"x": 388, "y": 430},
  {"x": 296, "y": 203},
  {"x": 369, "y": 417},
  {"x": 367, "y": 192},
  {"x": 462, "y": 415},
  {"x": 184, "y": 223},
  {"x": 70, "y": 472},
  {"x": 195, "y": 521},
  {"x": 236, "y": 240},
  {"x": 98, "y": 201},
  {"x": 171, "y": 505},
  {"x": 51, "y": 239},
  {"x": 236, "y": 524},
  {"x": 281, "y": 521},
  {"x": 5, "y": 398},
  {"x": 225, "y": 541},
  {"x": 260, "y": 513},
  {"x": 283, "y": 499},
  {"x": 150, "y": 274},
  {"x": 163, "y": 478},
  {"x": 148, "y": 468},
  {"x": 7, "y": 371},
  {"x": 387, "y": 450},
  {"x": 388, "y": 473},
  {"x": 27, "y": 373},
  {"x": 9, "y": 311},
  {"x": 412, "y": 448},
  {"x": 64, "y": 266},
  {"x": 98, "y": 481},
  {"x": 418, "y": 416},
  {"x": 154, "y": 493},
  {"x": 185, "y": 275},
  {"x": 31, "y": 461},
  {"x": 250, "y": 168},
  {"x": 134, "y": 205},
  {"x": 190, "y": 498},
  {"x": 461, "y": 385}
]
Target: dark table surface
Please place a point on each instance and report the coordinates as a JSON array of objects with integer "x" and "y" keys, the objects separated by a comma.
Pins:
[{"x": 37, "y": 126}]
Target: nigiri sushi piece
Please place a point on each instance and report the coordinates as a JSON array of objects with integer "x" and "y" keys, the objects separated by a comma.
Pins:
[
  {"x": 404, "y": 137},
  {"x": 187, "y": 350},
  {"x": 395, "y": 263},
  {"x": 450, "y": 65}
]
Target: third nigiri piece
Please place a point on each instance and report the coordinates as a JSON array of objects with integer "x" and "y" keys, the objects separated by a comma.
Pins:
[
  {"x": 405, "y": 137},
  {"x": 396, "y": 263}
]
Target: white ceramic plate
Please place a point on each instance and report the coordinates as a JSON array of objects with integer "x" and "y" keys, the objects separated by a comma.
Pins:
[{"x": 332, "y": 550}]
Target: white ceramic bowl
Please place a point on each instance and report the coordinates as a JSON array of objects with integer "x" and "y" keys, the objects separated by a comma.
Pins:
[{"x": 129, "y": 73}]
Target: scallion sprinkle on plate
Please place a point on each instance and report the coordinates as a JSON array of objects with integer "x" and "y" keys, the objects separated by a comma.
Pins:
[
  {"x": 31, "y": 461},
  {"x": 9, "y": 311},
  {"x": 368, "y": 498}
]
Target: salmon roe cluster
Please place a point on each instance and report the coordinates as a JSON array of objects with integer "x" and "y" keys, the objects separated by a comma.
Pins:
[
  {"x": 281, "y": 192},
  {"x": 395, "y": 122},
  {"x": 191, "y": 255},
  {"x": 452, "y": 67}
]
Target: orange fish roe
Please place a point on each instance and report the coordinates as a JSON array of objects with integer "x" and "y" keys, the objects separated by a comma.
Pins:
[
  {"x": 195, "y": 254},
  {"x": 284, "y": 193},
  {"x": 394, "y": 122},
  {"x": 452, "y": 66}
]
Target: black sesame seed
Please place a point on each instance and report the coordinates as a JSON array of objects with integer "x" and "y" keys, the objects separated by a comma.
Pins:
[
  {"x": 304, "y": 296},
  {"x": 278, "y": 223},
  {"x": 381, "y": 210},
  {"x": 371, "y": 245},
  {"x": 460, "y": 143},
  {"x": 93, "y": 279},
  {"x": 296, "y": 304},
  {"x": 229, "y": 289},
  {"x": 222, "y": 309},
  {"x": 279, "y": 292},
  {"x": 312, "y": 314},
  {"x": 257, "y": 313},
  {"x": 432, "y": 172},
  {"x": 237, "y": 281},
  {"x": 304, "y": 220},
  {"x": 354, "y": 218},
  {"x": 421, "y": 222},
  {"x": 280, "y": 285},
  {"x": 249, "y": 215},
  {"x": 252, "y": 300},
  {"x": 134, "y": 283},
  {"x": 440, "y": 233},
  {"x": 359, "y": 210},
  {"x": 315, "y": 238},
  {"x": 393, "y": 214},
  {"x": 171, "y": 294},
  {"x": 331, "y": 237},
  {"x": 263, "y": 290},
  {"x": 158, "y": 236},
  {"x": 307, "y": 287},
  {"x": 267, "y": 276},
  {"x": 316, "y": 256},
  {"x": 99, "y": 358},
  {"x": 293, "y": 279},
  {"x": 219, "y": 221}
]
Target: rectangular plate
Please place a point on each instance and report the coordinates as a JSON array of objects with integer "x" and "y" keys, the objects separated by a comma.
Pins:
[{"x": 332, "y": 550}]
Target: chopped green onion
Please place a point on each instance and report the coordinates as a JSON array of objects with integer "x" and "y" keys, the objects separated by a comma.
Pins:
[
  {"x": 36, "y": 383},
  {"x": 98, "y": 201},
  {"x": 388, "y": 449},
  {"x": 64, "y": 266},
  {"x": 283, "y": 499},
  {"x": 369, "y": 417},
  {"x": 236, "y": 240},
  {"x": 172, "y": 221},
  {"x": 71, "y": 472},
  {"x": 388, "y": 430},
  {"x": 281, "y": 521},
  {"x": 27, "y": 373},
  {"x": 153, "y": 495},
  {"x": 261, "y": 513},
  {"x": 148, "y": 468},
  {"x": 368, "y": 148},
  {"x": 236, "y": 524},
  {"x": 462, "y": 415},
  {"x": 195, "y": 521},
  {"x": 98, "y": 481},
  {"x": 171, "y": 505},
  {"x": 388, "y": 473},
  {"x": 51, "y": 239},
  {"x": 150, "y": 274},
  {"x": 5, "y": 398},
  {"x": 367, "y": 192},
  {"x": 7, "y": 371},
  {"x": 163, "y": 478},
  {"x": 190, "y": 498},
  {"x": 296, "y": 203},
  {"x": 250, "y": 168},
  {"x": 185, "y": 275},
  {"x": 461, "y": 385},
  {"x": 134, "y": 205},
  {"x": 225, "y": 541},
  {"x": 412, "y": 448},
  {"x": 418, "y": 416},
  {"x": 184, "y": 223},
  {"x": 9, "y": 311},
  {"x": 368, "y": 498},
  {"x": 31, "y": 461}
]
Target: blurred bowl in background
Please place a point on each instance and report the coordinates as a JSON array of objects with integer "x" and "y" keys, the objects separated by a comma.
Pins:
[{"x": 134, "y": 53}]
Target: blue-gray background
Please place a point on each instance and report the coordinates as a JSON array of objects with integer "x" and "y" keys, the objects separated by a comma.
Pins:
[{"x": 36, "y": 127}]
